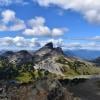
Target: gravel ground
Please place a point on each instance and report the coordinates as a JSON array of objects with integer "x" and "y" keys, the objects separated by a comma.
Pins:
[{"x": 89, "y": 90}]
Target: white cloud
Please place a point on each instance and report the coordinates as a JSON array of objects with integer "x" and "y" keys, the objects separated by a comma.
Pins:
[
  {"x": 58, "y": 31},
  {"x": 93, "y": 16},
  {"x": 10, "y": 22},
  {"x": 3, "y": 27},
  {"x": 38, "y": 31},
  {"x": 33, "y": 43},
  {"x": 6, "y": 41},
  {"x": 19, "y": 42},
  {"x": 32, "y": 27},
  {"x": 37, "y": 27},
  {"x": 28, "y": 43},
  {"x": 90, "y": 9},
  {"x": 37, "y": 21},
  {"x": 7, "y": 16},
  {"x": 18, "y": 25}
]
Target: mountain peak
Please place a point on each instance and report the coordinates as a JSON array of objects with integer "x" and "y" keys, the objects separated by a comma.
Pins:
[
  {"x": 49, "y": 45},
  {"x": 23, "y": 52}
]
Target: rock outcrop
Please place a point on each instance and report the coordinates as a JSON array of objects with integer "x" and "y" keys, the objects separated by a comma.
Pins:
[{"x": 44, "y": 89}]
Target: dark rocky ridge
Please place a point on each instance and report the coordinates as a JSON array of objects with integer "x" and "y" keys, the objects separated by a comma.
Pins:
[
  {"x": 44, "y": 89},
  {"x": 49, "y": 45}
]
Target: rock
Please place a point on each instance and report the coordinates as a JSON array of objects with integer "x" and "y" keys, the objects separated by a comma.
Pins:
[
  {"x": 8, "y": 53},
  {"x": 18, "y": 58},
  {"x": 43, "y": 89},
  {"x": 49, "y": 45}
]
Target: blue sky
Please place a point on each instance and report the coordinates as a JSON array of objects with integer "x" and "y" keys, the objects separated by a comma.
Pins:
[{"x": 29, "y": 24}]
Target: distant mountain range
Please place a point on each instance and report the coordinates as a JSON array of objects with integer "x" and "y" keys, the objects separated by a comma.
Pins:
[
  {"x": 84, "y": 54},
  {"x": 96, "y": 61}
]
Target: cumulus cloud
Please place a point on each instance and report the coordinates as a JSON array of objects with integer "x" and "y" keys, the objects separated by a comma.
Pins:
[
  {"x": 8, "y": 16},
  {"x": 19, "y": 42},
  {"x": 37, "y": 31},
  {"x": 90, "y": 9},
  {"x": 37, "y": 21},
  {"x": 9, "y": 21},
  {"x": 37, "y": 27},
  {"x": 32, "y": 27},
  {"x": 6, "y": 41},
  {"x": 58, "y": 31},
  {"x": 33, "y": 43}
]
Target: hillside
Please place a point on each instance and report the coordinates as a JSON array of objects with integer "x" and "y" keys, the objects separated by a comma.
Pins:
[{"x": 23, "y": 66}]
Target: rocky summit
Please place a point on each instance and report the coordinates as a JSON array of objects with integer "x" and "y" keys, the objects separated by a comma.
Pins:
[
  {"x": 48, "y": 49},
  {"x": 49, "y": 45}
]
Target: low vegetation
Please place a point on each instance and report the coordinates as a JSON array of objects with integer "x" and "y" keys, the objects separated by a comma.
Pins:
[
  {"x": 26, "y": 73},
  {"x": 76, "y": 67}
]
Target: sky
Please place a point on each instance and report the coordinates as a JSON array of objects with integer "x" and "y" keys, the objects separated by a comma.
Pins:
[{"x": 30, "y": 24}]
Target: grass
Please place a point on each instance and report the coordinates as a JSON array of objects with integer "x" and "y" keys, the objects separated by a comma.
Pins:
[
  {"x": 24, "y": 77},
  {"x": 74, "y": 68}
]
